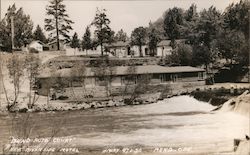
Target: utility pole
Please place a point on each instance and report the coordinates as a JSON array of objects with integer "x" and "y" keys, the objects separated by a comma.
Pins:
[
  {"x": 0, "y": 10},
  {"x": 12, "y": 32},
  {"x": 249, "y": 47}
]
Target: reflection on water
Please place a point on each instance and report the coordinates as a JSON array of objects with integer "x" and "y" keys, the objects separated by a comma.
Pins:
[{"x": 179, "y": 121}]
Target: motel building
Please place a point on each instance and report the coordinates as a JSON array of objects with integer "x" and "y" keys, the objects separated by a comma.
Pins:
[
  {"x": 179, "y": 77},
  {"x": 119, "y": 76}
]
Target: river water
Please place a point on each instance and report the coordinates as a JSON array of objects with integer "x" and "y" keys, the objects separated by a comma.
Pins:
[{"x": 178, "y": 122}]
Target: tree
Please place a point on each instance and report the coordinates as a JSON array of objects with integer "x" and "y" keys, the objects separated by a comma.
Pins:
[
  {"x": 236, "y": 17},
  {"x": 153, "y": 40},
  {"x": 32, "y": 64},
  {"x": 182, "y": 55},
  {"x": 121, "y": 36},
  {"x": 22, "y": 28},
  {"x": 134, "y": 85},
  {"x": 172, "y": 22},
  {"x": 103, "y": 32},
  {"x": 190, "y": 21},
  {"x": 204, "y": 37},
  {"x": 75, "y": 42},
  {"x": 209, "y": 26},
  {"x": 39, "y": 35},
  {"x": 104, "y": 73},
  {"x": 5, "y": 38},
  {"x": 230, "y": 44},
  {"x": 86, "y": 40},
  {"x": 138, "y": 37},
  {"x": 15, "y": 67},
  {"x": 58, "y": 22}
]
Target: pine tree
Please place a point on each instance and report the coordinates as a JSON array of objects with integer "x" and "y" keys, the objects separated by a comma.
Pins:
[
  {"x": 75, "y": 42},
  {"x": 153, "y": 40},
  {"x": 22, "y": 28},
  {"x": 121, "y": 36},
  {"x": 103, "y": 32},
  {"x": 172, "y": 21},
  {"x": 86, "y": 40},
  {"x": 138, "y": 37},
  {"x": 39, "y": 35},
  {"x": 58, "y": 22}
]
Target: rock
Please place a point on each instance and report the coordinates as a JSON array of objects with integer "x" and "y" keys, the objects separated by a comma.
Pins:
[
  {"x": 243, "y": 148},
  {"x": 240, "y": 104}
]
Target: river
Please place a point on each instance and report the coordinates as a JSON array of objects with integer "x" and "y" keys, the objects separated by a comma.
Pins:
[{"x": 178, "y": 122}]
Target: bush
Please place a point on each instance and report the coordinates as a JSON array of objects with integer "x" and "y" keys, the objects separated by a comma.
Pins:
[{"x": 33, "y": 50}]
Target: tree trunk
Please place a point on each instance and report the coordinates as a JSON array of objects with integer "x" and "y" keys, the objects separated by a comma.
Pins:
[
  {"x": 57, "y": 29},
  {"x": 101, "y": 49},
  {"x": 140, "y": 49}
]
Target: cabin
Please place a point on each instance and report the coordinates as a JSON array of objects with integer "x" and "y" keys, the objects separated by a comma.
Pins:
[
  {"x": 123, "y": 49},
  {"x": 120, "y": 49},
  {"x": 119, "y": 76},
  {"x": 164, "y": 49},
  {"x": 36, "y": 46},
  {"x": 53, "y": 46}
]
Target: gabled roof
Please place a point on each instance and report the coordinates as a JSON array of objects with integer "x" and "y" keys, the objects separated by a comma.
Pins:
[
  {"x": 37, "y": 41},
  {"x": 53, "y": 42},
  {"x": 167, "y": 42},
  {"x": 124, "y": 70},
  {"x": 164, "y": 43}
]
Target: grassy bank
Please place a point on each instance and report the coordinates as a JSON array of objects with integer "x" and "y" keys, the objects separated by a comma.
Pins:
[{"x": 217, "y": 96}]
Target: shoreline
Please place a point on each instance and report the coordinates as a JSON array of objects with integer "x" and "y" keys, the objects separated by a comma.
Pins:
[{"x": 215, "y": 95}]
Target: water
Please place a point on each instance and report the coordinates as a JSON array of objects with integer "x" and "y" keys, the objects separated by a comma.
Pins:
[{"x": 177, "y": 122}]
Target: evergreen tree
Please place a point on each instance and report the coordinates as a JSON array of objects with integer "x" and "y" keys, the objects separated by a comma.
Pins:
[
  {"x": 230, "y": 44},
  {"x": 58, "y": 22},
  {"x": 138, "y": 37},
  {"x": 190, "y": 21},
  {"x": 75, "y": 42},
  {"x": 204, "y": 40},
  {"x": 172, "y": 23},
  {"x": 39, "y": 35},
  {"x": 121, "y": 36},
  {"x": 153, "y": 40},
  {"x": 86, "y": 40},
  {"x": 22, "y": 28},
  {"x": 103, "y": 32},
  {"x": 236, "y": 17}
]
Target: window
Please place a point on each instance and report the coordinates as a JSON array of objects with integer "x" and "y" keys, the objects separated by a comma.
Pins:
[
  {"x": 200, "y": 75},
  {"x": 100, "y": 81},
  {"x": 174, "y": 77},
  {"x": 129, "y": 80}
]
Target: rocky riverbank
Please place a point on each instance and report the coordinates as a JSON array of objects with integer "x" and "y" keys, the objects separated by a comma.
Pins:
[
  {"x": 43, "y": 104},
  {"x": 217, "y": 96}
]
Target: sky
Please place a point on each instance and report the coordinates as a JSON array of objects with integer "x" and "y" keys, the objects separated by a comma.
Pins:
[{"x": 125, "y": 15}]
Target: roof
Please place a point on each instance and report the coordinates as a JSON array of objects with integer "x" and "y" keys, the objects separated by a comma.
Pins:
[
  {"x": 167, "y": 42},
  {"x": 37, "y": 41},
  {"x": 124, "y": 70},
  {"x": 164, "y": 43},
  {"x": 53, "y": 42}
]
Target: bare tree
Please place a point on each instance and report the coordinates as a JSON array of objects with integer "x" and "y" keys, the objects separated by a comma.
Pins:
[
  {"x": 135, "y": 85},
  {"x": 105, "y": 74},
  {"x": 32, "y": 66},
  {"x": 78, "y": 73},
  {"x": 23, "y": 127},
  {"x": 15, "y": 67}
]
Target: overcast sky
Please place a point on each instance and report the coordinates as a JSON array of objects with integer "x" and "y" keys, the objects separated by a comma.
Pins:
[{"x": 125, "y": 15}]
